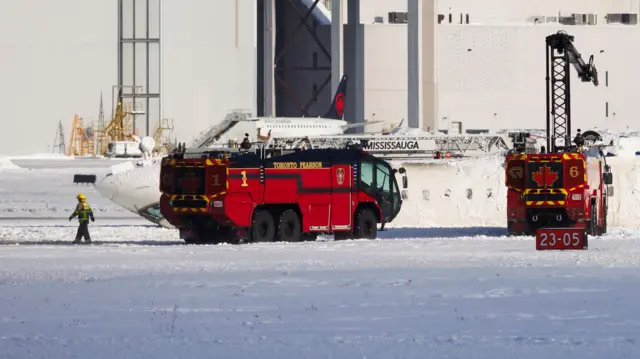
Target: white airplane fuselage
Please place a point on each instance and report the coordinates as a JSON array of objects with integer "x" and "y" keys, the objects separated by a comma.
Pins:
[
  {"x": 299, "y": 126},
  {"x": 136, "y": 190}
]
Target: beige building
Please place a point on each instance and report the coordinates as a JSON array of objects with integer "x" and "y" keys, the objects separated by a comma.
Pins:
[{"x": 488, "y": 73}]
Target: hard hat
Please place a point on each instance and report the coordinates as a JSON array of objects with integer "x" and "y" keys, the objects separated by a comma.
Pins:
[{"x": 81, "y": 197}]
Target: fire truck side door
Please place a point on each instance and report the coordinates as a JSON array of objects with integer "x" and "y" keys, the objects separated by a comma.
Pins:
[{"x": 341, "y": 205}]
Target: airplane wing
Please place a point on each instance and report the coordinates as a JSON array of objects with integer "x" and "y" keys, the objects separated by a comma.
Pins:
[
  {"x": 359, "y": 124},
  {"x": 393, "y": 132}
]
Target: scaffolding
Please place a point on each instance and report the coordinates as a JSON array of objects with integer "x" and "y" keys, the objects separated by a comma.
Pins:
[
  {"x": 164, "y": 137},
  {"x": 139, "y": 60},
  {"x": 79, "y": 143},
  {"x": 122, "y": 126},
  {"x": 59, "y": 142}
]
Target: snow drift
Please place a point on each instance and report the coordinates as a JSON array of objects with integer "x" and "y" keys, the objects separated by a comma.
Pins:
[{"x": 7, "y": 164}]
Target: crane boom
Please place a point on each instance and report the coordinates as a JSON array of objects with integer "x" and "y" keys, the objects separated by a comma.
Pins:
[{"x": 560, "y": 55}]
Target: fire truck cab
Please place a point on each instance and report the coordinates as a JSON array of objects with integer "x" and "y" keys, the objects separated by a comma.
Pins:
[
  {"x": 231, "y": 195},
  {"x": 564, "y": 190}
]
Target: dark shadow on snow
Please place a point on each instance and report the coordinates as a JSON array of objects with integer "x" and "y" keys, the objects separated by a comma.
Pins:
[
  {"x": 408, "y": 233},
  {"x": 19, "y": 225},
  {"x": 93, "y": 243}
]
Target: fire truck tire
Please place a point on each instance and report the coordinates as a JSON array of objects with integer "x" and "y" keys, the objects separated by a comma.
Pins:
[
  {"x": 289, "y": 227},
  {"x": 603, "y": 229},
  {"x": 593, "y": 221},
  {"x": 263, "y": 227},
  {"x": 366, "y": 224}
]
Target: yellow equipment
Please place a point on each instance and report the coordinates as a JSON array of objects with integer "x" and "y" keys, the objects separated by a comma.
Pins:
[
  {"x": 79, "y": 145},
  {"x": 81, "y": 197},
  {"x": 163, "y": 137},
  {"x": 121, "y": 126}
]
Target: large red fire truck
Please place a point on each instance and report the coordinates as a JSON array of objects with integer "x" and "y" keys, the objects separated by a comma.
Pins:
[
  {"x": 560, "y": 193},
  {"x": 265, "y": 195}
]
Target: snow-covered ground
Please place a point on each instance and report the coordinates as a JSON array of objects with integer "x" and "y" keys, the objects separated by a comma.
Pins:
[
  {"x": 423, "y": 290},
  {"x": 415, "y": 293},
  {"x": 50, "y": 192}
]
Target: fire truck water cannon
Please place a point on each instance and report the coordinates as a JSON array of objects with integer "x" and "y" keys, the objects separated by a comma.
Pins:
[
  {"x": 559, "y": 193},
  {"x": 268, "y": 193}
]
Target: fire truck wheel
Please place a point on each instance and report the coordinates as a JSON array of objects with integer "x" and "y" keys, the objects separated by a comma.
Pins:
[
  {"x": 366, "y": 224},
  {"x": 263, "y": 227},
  {"x": 593, "y": 221},
  {"x": 289, "y": 227}
]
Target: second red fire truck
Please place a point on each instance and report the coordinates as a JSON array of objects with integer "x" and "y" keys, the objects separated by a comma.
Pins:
[{"x": 559, "y": 193}]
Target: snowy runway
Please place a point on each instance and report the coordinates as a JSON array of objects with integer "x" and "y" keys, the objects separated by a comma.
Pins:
[{"x": 141, "y": 293}]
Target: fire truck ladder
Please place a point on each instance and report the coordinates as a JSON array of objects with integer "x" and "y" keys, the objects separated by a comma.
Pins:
[
  {"x": 281, "y": 143},
  {"x": 561, "y": 53},
  {"x": 469, "y": 145}
]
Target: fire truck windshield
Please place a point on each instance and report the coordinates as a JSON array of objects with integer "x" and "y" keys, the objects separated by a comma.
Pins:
[{"x": 377, "y": 179}]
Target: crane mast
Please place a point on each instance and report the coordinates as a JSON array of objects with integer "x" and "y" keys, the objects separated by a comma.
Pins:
[{"x": 561, "y": 53}]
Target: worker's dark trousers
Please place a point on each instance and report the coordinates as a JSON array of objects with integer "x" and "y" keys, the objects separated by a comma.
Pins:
[{"x": 83, "y": 231}]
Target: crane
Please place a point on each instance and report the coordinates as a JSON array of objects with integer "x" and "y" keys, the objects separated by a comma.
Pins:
[{"x": 561, "y": 53}]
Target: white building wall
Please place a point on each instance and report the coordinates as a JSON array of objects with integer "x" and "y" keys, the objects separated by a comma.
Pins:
[
  {"x": 369, "y": 9},
  {"x": 499, "y": 11},
  {"x": 56, "y": 58},
  {"x": 493, "y": 77},
  {"x": 385, "y": 80},
  {"x": 500, "y": 82},
  {"x": 58, "y": 55},
  {"x": 521, "y": 11},
  {"x": 206, "y": 73}
]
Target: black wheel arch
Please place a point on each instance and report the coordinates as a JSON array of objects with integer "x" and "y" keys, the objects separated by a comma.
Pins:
[{"x": 372, "y": 207}]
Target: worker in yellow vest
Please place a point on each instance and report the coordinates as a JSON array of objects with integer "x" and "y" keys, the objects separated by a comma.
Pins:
[{"x": 84, "y": 213}]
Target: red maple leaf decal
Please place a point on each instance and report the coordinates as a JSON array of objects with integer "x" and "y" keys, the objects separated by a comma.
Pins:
[
  {"x": 340, "y": 104},
  {"x": 545, "y": 176},
  {"x": 189, "y": 182}
]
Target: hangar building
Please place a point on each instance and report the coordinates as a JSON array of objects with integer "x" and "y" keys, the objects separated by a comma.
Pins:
[{"x": 194, "y": 61}]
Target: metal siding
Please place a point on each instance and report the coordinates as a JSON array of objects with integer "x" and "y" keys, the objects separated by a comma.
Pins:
[{"x": 299, "y": 53}]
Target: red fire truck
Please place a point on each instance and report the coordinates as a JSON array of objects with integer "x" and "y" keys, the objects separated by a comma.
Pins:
[
  {"x": 560, "y": 193},
  {"x": 559, "y": 190},
  {"x": 242, "y": 195}
]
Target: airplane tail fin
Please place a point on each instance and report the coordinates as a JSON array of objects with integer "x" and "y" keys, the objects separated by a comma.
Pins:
[
  {"x": 397, "y": 129},
  {"x": 337, "y": 105}
]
